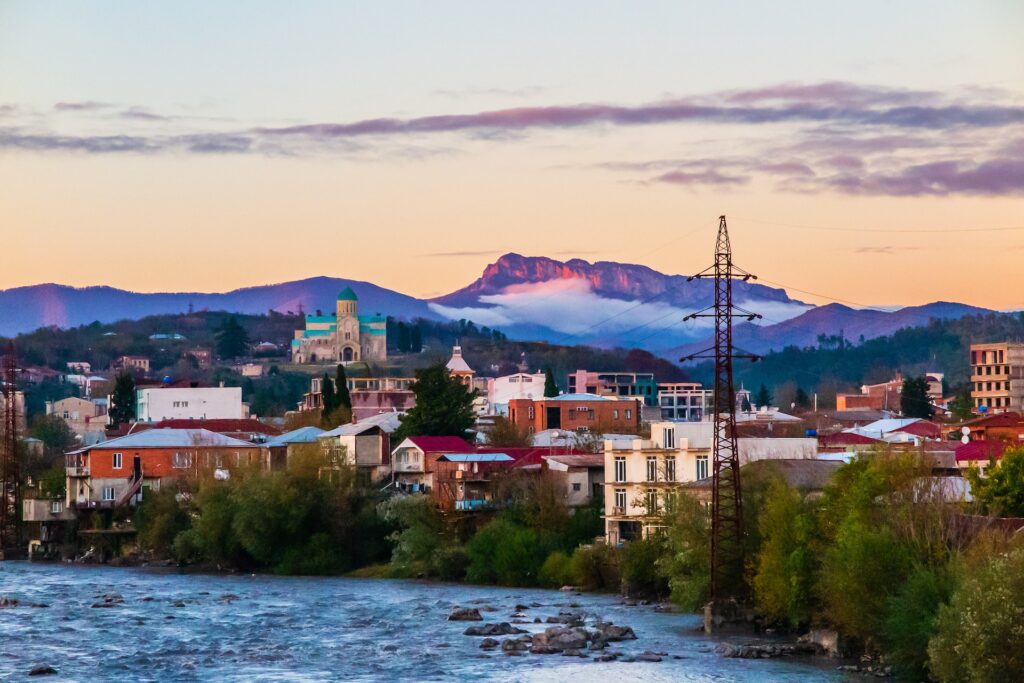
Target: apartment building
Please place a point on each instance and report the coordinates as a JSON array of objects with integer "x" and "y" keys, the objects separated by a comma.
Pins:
[
  {"x": 153, "y": 404},
  {"x": 576, "y": 412},
  {"x": 686, "y": 401},
  {"x": 639, "y": 385},
  {"x": 997, "y": 376}
]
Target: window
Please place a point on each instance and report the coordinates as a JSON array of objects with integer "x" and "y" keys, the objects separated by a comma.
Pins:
[
  {"x": 180, "y": 460},
  {"x": 620, "y": 469},
  {"x": 671, "y": 500},
  {"x": 55, "y": 507},
  {"x": 652, "y": 468},
  {"x": 670, "y": 469},
  {"x": 116, "y": 461},
  {"x": 615, "y": 414},
  {"x": 629, "y": 414},
  {"x": 576, "y": 487},
  {"x": 669, "y": 437},
  {"x": 702, "y": 467},
  {"x": 530, "y": 413},
  {"x": 108, "y": 493},
  {"x": 620, "y": 499},
  {"x": 652, "y": 501}
]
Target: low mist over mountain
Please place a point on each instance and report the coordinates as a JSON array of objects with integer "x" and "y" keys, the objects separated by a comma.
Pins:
[{"x": 572, "y": 302}]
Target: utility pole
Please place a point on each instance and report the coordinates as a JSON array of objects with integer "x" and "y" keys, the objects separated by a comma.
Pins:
[
  {"x": 10, "y": 477},
  {"x": 727, "y": 494}
]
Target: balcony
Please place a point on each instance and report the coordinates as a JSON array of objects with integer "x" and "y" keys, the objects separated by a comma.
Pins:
[{"x": 78, "y": 471}]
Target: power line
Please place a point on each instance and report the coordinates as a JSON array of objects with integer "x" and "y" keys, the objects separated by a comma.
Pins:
[{"x": 883, "y": 230}]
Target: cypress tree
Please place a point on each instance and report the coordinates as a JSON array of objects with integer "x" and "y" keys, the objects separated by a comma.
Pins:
[
  {"x": 550, "y": 387},
  {"x": 341, "y": 396}
]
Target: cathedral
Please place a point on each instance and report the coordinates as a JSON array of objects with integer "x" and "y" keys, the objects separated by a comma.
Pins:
[{"x": 343, "y": 337}]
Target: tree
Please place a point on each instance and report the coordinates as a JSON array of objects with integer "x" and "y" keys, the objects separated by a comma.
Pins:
[
  {"x": 763, "y": 397},
  {"x": 342, "y": 399},
  {"x": 802, "y": 399},
  {"x": 328, "y": 401},
  {"x": 54, "y": 432},
  {"x": 122, "y": 400},
  {"x": 962, "y": 406},
  {"x": 444, "y": 406},
  {"x": 232, "y": 339},
  {"x": 1001, "y": 493},
  {"x": 978, "y": 634},
  {"x": 550, "y": 387},
  {"x": 506, "y": 434},
  {"x": 745, "y": 405},
  {"x": 914, "y": 398}
]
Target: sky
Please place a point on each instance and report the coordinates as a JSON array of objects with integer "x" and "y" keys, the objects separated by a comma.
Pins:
[{"x": 866, "y": 152}]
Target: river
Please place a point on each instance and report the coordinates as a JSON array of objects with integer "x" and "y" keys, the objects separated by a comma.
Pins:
[{"x": 187, "y": 627}]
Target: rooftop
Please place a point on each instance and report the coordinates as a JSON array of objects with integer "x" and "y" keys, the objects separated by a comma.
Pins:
[
  {"x": 476, "y": 457},
  {"x": 171, "y": 438},
  {"x": 441, "y": 444},
  {"x": 300, "y": 435},
  {"x": 347, "y": 295}
]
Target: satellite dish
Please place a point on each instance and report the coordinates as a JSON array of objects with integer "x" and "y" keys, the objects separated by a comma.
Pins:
[
  {"x": 965, "y": 439},
  {"x": 965, "y": 430}
]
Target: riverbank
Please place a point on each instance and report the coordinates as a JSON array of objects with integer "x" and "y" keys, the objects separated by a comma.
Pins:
[{"x": 171, "y": 626}]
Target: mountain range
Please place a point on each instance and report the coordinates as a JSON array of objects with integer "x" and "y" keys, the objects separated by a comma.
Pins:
[{"x": 566, "y": 302}]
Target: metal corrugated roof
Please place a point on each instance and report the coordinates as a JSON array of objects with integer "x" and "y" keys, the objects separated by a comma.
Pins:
[
  {"x": 171, "y": 438},
  {"x": 476, "y": 457},
  {"x": 388, "y": 422},
  {"x": 301, "y": 435}
]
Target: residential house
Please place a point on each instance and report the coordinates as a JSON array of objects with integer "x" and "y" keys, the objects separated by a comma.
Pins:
[
  {"x": 980, "y": 454},
  {"x": 582, "y": 476},
  {"x": 413, "y": 459},
  {"x": 366, "y": 443},
  {"x": 189, "y": 403},
  {"x": 86, "y": 418},
  {"x": 1008, "y": 426},
  {"x": 280, "y": 450},
  {"x": 640, "y": 385},
  {"x": 202, "y": 356},
  {"x": 686, "y": 401},
  {"x": 501, "y": 390},
  {"x": 44, "y": 523},
  {"x": 369, "y": 395},
  {"x": 807, "y": 476},
  {"x": 245, "y": 429},
  {"x": 117, "y": 472},
  {"x": 464, "y": 482},
  {"x": 133, "y": 364}
]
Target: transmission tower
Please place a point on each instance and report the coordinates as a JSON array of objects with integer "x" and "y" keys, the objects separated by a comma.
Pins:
[
  {"x": 727, "y": 494},
  {"x": 9, "y": 474}
]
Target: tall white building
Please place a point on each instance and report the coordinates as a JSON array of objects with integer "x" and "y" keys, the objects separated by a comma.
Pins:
[{"x": 189, "y": 403}]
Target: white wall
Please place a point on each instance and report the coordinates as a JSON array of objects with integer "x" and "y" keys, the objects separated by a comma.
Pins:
[
  {"x": 501, "y": 390},
  {"x": 201, "y": 403}
]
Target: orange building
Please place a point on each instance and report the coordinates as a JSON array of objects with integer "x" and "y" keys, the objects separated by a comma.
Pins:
[
  {"x": 576, "y": 412},
  {"x": 117, "y": 472}
]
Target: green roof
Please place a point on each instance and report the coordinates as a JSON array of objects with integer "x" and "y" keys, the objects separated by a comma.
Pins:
[{"x": 347, "y": 295}]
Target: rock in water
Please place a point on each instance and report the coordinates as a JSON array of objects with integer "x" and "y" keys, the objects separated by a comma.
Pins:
[
  {"x": 465, "y": 614},
  {"x": 43, "y": 670}
]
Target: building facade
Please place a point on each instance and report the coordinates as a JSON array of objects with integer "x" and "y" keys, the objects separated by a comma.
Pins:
[
  {"x": 83, "y": 416},
  {"x": 576, "y": 412},
  {"x": 686, "y": 401},
  {"x": 153, "y": 404},
  {"x": 639, "y": 385},
  {"x": 342, "y": 337},
  {"x": 997, "y": 376}
]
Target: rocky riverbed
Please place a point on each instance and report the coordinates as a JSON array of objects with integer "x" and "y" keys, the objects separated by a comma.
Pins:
[{"x": 101, "y": 623}]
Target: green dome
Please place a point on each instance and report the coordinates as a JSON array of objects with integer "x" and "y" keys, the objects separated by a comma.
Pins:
[{"x": 347, "y": 295}]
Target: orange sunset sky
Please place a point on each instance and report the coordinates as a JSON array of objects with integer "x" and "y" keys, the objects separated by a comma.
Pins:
[{"x": 872, "y": 154}]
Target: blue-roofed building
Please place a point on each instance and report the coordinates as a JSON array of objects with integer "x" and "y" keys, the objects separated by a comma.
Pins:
[{"x": 342, "y": 337}]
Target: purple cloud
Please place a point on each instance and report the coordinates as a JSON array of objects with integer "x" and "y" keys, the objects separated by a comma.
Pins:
[
  {"x": 706, "y": 177},
  {"x": 1001, "y": 176},
  {"x": 81, "y": 106}
]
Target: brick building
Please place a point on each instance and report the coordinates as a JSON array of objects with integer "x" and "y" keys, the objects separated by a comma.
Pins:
[
  {"x": 997, "y": 376},
  {"x": 576, "y": 412}
]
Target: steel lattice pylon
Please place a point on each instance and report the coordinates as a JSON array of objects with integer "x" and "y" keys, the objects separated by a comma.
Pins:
[
  {"x": 727, "y": 494},
  {"x": 9, "y": 472}
]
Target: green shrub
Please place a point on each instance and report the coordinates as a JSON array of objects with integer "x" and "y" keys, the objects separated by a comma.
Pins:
[
  {"x": 640, "y": 560},
  {"x": 687, "y": 558},
  {"x": 507, "y": 553},
  {"x": 159, "y": 520},
  {"x": 596, "y": 568},
  {"x": 452, "y": 563},
  {"x": 556, "y": 570},
  {"x": 910, "y": 617}
]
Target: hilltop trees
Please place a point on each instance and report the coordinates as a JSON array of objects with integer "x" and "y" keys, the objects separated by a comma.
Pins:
[
  {"x": 763, "y": 397},
  {"x": 122, "y": 400},
  {"x": 444, "y": 406}
]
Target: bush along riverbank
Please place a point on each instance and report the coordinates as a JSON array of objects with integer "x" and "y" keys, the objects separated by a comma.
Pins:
[{"x": 903, "y": 578}]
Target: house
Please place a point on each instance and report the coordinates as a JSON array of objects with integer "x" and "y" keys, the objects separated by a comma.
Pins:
[
  {"x": 44, "y": 523},
  {"x": 899, "y": 430},
  {"x": 501, "y": 390},
  {"x": 189, "y": 403},
  {"x": 369, "y": 395},
  {"x": 577, "y": 412},
  {"x": 1008, "y": 426},
  {"x": 980, "y": 454},
  {"x": 412, "y": 460},
  {"x": 810, "y": 477},
  {"x": 366, "y": 444},
  {"x": 883, "y": 396},
  {"x": 281, "y": 449},
  {"x": 133, "y": 364},
  {"x": 582, "y": 475},
  {"x": 117, "y": 472},
  {"x": 644, "y": 476},
  {"x": 202, "y": 356},
  {"x": 79, "y": 367},
  {"x": 341, "y": 337},
  {"x": 81, "y": 415},
  {"x": 464, "y": 482},
  {"x": 686, "y": 401}
]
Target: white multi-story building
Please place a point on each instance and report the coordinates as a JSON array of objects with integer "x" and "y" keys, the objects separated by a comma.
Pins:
[
  {"x": 644, "y": 476},
  {"x": 190, "y": 403},
  {"x": 501, "y": 390}
]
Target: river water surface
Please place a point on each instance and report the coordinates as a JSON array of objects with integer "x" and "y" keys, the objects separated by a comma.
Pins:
[{"x": 186, "y": 627}]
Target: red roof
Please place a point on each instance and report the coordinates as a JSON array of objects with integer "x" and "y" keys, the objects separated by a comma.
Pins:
[
  {"x": 923, "y": 428},
  {"x": 442, "y": 444},
  {"x": 221, "y": 426},
  {"x": 845, "y": 439},
  {"x": 1009, "y": 419},
  {"x": 980, "y": 450},
  {"x": 529, "y": 455}
]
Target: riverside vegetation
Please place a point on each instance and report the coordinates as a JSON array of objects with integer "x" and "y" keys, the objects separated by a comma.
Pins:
[{"x": 878, "y": 556}]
